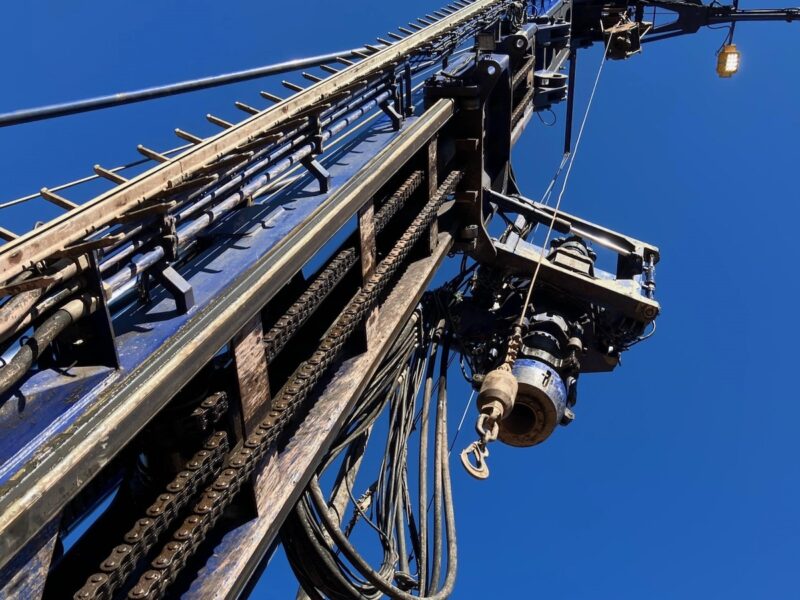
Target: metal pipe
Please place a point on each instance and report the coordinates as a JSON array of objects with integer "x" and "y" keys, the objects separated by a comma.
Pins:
[
  {"x": 369, "y": 99},
  {"x": 80, "y": 106},
  {"x": 14, "y": 311},
  {"x": 269, "y": 154},
  {"x": 337, "y": 120},
  {"x": 43, "y": 306},
  {"x": 191, "y": 228}
]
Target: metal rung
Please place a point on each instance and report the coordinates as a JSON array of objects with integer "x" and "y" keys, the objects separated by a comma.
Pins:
[
  {"x": 34, "y": 283},
  {"x": 270, "y": 97},
  {"x": 219, "y": 122},
  {"x": 344, "y": 61},
  {"x": 292, "y": 86},
  {"x": 185, "y": 135},
  {"x": 394, "y": 36},
  {"x": 415, "y": 26},
  {"x": 56, "y": 199},
  {"x": 312, "y": 77},
  {"x": 246, "y": 108},
  {"x": 424, "y": 21},
  {"x": 7, "y": 235},
  {"x": 371, "y": 48},
  {"x": 360, "y": 54},
  {"x": 137, "y": 215},
  {"x": 432, "y": 18},
  {"x": 383, "y": 41},
  {"x": 151, "y": 154},
  {"x": 329, "y": 69},
  {"x": 110, "y": 175},
  {"x": 189, "y": 185}
]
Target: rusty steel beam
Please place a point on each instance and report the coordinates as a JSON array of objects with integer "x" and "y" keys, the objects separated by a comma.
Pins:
[
  {"x": 60, "y": 468},
  {"x": 286, "y": 474},
  {"x": 96, "y": 214}
]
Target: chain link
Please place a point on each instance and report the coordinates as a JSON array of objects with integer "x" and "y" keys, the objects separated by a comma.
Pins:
[
  {"x": 145, "y": 533},
  {"x": 279, "y": 334},
  {"x": 242, "y": 462}
]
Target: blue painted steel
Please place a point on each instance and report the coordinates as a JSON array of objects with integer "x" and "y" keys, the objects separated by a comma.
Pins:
[
  {"x": 49, "y": 401},
  {"x": 24, "y": 575},
  {"x": 527, "y": 370},
  {"x": 545, "y": 7},
  {"x": 232, "y": 540}
]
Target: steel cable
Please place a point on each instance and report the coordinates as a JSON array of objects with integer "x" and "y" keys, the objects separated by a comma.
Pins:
[{"x": 571, "y": 162}]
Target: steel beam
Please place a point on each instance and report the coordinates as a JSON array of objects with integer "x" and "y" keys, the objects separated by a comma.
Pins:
[
  {"x": 96, "y": 214},
  {"x": 59, "y": 469},
  {"x": 286, "y": 475}
]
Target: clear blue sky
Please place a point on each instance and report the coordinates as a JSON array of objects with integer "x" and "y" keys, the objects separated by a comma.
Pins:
[{"x": 679, "y": 478}]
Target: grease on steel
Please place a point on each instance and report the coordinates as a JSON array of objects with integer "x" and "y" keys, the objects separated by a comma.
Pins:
[{"x": 241, "y": 463}]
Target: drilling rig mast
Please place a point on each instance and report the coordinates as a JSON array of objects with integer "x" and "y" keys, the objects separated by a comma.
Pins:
[{"x": 198, "y": 345}]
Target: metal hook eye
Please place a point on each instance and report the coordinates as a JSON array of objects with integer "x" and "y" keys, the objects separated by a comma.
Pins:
[{"x": 480, "y": 470}]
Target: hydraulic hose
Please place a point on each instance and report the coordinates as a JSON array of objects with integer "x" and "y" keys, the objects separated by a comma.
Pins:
[
  {"x": 318, "y": 546},
  {"x": 41, "y": 339}
]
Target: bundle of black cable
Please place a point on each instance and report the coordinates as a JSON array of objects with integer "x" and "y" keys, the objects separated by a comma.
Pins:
[{"x": 320, "y": 549}]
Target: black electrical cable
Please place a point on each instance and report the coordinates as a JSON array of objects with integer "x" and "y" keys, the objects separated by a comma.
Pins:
[
  {"x": 317, "y": 544},
  {"x": 438, "y": 494},
  {"x": 331, "y": 574},
  {"x": 423, "y": 463},
  {"x": 364, "y": 568}
]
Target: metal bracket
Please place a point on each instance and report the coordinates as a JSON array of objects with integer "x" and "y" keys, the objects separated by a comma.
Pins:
[
  {"x": 180, "y": 289},
  {"x": 397, "y": 119},
  {"x": 103, "y": 325},
  {"x": 315, "y": 126},
  {"x": 310, "y": 162},
  {"x": 169, "y": 236},
  {"x": 319, "y": 172}
]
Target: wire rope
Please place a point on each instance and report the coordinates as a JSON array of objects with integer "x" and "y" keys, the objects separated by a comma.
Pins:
[{"x": 570, "y": 164}]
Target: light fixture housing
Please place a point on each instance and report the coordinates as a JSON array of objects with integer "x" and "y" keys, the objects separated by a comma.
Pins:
[{"x": 728, "y": 60}]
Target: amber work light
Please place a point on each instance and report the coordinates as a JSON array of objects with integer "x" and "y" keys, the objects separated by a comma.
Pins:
[{"x": 728, "y": 60}]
